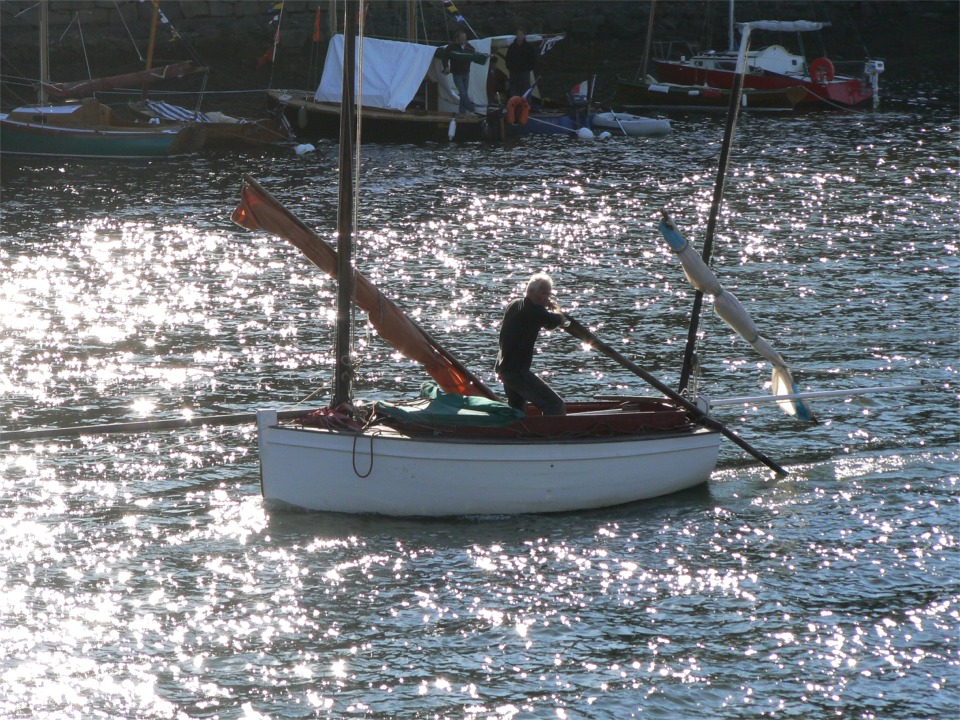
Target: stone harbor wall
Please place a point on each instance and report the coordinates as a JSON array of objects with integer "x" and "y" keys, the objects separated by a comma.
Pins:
[{"x": 92, "y": 38}]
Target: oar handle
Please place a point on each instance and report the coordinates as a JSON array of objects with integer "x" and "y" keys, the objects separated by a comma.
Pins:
[{"x": 575, "y": 328}]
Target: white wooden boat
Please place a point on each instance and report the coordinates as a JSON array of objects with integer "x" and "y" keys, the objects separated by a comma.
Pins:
[
  {"x": 621, "y": 123},
  {"x": 391, "y": 472},
  {"x": 480, "y": 460},
  {"x": 459, "y": 451}
]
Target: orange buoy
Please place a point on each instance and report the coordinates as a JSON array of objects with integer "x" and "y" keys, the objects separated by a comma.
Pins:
[
  {"x": 518, "y": 110},
  {"x": 821, "y": 70}
]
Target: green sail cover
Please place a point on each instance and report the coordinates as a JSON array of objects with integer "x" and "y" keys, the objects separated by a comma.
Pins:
[{"x": 435, "y": 407}]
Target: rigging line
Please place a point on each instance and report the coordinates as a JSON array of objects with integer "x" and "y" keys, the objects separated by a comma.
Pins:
[
  {"x": 203, "y": 87},
  {"x": 76, "y": 19},
  {"x": 83, "y": 45},
  {"x": 27, "y": 9},
  {"x": 423, "y": 21},
  {"x": 175, "y": 35},
  {"x": 129, "y": 34}
]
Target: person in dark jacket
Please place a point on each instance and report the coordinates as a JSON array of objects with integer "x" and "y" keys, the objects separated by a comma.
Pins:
[
  {"x": 522, "y": 321},
  {"x": 457, "y": 58},
  {"x": 521, "y": 60}
]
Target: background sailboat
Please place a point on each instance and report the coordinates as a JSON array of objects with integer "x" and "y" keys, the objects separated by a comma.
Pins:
[{"x": 87, "y": 128}]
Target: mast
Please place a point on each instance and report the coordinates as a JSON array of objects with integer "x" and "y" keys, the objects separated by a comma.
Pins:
[
  {"x": 343, "y": 377},
  {"x": 150, "y": 47},
  {"x": 646, "y": 45},
  {"x": 731, "y": 45},
  {"x": 736, "y": 92},
  {"x": 44, "y": 54}
]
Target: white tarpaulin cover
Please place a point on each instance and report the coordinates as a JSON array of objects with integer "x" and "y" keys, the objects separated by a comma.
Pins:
[{"x": 392, "y": 72}]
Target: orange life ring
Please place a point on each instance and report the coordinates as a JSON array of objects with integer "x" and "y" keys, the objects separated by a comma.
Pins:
[
  {"x": 821, "y": 70},
  {"x": 518, "y": 110}
]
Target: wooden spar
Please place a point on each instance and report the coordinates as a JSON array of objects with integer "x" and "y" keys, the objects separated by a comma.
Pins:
[
  {"x": 646, "y": 44},
  {"x": 143, "y": 425},
  {"x": 84, "y": 88},
  {"x": 44, "y": 52},
  {"x": 580, "y": 332},
  {"x": 343, "y": 378},
  {"x": 153, "y": 41},
  {"x": 922, "y": 385},
  {"x": 732, "y": 111},
  {"x": 814, "y": 395}
]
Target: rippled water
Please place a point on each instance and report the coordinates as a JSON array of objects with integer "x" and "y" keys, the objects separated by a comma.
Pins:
[{"x": 142, "y": 576}]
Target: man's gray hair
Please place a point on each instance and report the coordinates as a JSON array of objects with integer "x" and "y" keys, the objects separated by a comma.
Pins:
[{"x": 539, "y": 282}]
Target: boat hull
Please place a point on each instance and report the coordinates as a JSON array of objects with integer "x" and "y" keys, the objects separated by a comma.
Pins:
[
  {"x": 549, "y": 122},
  {"x": 843, "y": 91},
  {"x": 222, "y": 132},
  {"x": 633, "y": 125},
  {"x": 663, "y": 96},
  {"x": 380, "y": 471},
  {"x": 19, "y": 138},
  {"x": 310, "y": 118}
]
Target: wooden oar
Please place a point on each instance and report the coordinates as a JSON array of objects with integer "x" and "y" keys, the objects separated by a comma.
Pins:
[
  {"x": 144, "y": 425},
  {"x": 613, "y": 112},
  {"x": 580, "y": 332}
]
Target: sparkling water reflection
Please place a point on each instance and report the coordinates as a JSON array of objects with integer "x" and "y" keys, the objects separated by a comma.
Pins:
[{"x": 142, "y": 576}]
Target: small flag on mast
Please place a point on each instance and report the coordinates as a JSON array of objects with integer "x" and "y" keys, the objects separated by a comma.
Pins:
[
  {"x": 448, "y": 4},
  {"x": 581, "y": 89},
  {"x": 547, "y": 44},
  {"x": 277, "y": 10}
]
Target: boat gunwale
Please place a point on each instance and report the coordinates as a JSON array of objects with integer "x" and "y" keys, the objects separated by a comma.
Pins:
[
  {"x": 305, "y": 99},
  {"x": 387, "y": 432}
]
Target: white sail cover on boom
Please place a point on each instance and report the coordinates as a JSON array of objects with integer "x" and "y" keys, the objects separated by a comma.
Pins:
[
  {"x": 392, "y": 72},
  {"x": 782, "y": 26},
  {"x": 732, "y": 312}
]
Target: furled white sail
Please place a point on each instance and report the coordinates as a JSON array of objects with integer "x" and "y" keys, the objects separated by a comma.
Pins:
[
  {"x": 732, "y": 312},
  {"x": 782, "y": 25}
]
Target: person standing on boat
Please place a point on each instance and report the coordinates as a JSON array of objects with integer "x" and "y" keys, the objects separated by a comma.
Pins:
[
  {"x": 456, "y": 60},
  {"x": 522, "y": 322},
  {"x": 521, "y": 61}
]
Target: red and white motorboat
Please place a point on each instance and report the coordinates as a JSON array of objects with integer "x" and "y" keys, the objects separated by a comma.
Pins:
[{"x": 775, "y": 68}]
